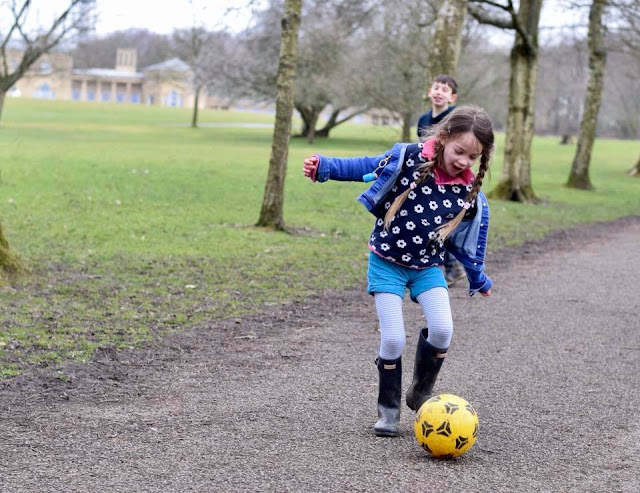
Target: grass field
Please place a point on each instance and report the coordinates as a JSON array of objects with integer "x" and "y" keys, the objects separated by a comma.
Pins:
[{"x": 134, "y": 225}]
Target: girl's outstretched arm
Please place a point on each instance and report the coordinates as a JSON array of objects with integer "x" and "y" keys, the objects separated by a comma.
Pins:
[{"x": 323, "y": 168}]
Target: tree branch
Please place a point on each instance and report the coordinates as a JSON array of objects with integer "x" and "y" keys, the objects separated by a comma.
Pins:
[
  {"x": 41, "y": 44},
  {"x": 59, "y": 21},
  {"x": 16, "y": 23},
  {"x": 484, "y": 17},
  {"x": 352, "y": 114}
]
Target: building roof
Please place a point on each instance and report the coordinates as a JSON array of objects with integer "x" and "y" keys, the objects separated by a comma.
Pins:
[
  {"x": 107, "y": 72},
  {"x": 174, "y": 64}
]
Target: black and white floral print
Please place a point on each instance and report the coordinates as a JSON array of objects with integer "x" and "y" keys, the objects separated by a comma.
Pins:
[{"x": 411, "y": 237}]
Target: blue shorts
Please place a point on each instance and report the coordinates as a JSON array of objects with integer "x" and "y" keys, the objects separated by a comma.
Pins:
[{"x": 386, "y": 277}]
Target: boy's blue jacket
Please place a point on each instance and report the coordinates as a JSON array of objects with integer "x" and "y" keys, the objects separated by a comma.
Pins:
[{"x": 467, "y": 243}]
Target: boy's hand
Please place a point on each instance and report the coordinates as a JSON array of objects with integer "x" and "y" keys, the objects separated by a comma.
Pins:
[
  {"x": 310, "y": 167},
  {"x": 486, "y": 293}
]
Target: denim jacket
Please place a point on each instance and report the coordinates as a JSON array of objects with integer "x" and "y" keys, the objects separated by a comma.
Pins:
[{"x": 467, "y": 243}]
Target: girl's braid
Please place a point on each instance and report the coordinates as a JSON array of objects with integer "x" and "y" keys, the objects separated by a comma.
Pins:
[{"x": 424, "y": 172}]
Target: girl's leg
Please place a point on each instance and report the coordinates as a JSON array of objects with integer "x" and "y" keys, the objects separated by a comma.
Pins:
[
  {"x": 389, "y": 363},
  {"x": 392, "y": 335},
  {"x": 433, "y": 343},
  {"x": 437, "y": 310}
]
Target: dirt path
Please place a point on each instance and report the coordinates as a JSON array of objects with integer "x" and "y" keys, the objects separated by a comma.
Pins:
[{"x": 285, "y": 401}]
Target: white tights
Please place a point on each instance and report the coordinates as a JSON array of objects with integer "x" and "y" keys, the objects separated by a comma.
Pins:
[{"x": 437, "y": 310}]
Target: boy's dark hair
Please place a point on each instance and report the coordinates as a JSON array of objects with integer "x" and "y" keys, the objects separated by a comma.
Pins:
[{"x": 446, "y": 79}]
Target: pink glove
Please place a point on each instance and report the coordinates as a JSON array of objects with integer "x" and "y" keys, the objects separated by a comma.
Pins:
[{"x": 310, "y": 168}]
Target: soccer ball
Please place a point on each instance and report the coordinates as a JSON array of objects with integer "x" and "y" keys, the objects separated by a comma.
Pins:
[{"x": 446, "y": 426}]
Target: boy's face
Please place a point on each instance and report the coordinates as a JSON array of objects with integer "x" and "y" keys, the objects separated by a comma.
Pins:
[{"x": 441, "y": 95}]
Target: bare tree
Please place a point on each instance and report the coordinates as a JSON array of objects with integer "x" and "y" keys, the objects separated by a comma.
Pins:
[
  {"x": 189, "y": 44},
  {"x": 389, "y": 71},
  {"x": 579, "y": 175},
  {"x": 560, "y": 98},
  {"x": 515, "y": 182},
  {"x": 273, "y": 200},
  {"x": 326, "y": 81},
  {"x": 76, "y": 17},
  {"x": 196, "y": 46}
]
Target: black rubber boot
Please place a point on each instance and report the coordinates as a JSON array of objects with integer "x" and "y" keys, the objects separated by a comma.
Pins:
[
  {"x": 425, "y": 371},
  {"x": 389, "y": 394}
]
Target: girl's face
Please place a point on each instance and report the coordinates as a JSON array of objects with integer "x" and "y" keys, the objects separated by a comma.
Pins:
[{"x": 460, "y": 152}]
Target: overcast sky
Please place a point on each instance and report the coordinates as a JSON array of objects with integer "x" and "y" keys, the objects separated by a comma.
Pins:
[{"x": 163, "y": 16}]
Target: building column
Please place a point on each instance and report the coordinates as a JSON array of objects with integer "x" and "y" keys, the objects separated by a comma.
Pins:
[{"x": 83, "y": 90}]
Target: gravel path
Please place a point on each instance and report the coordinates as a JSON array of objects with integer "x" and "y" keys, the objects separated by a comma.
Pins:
[{"x": 285, "y": 401}]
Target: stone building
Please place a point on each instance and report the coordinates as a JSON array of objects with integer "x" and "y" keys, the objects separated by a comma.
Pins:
[{"x": 52, "y": 76}]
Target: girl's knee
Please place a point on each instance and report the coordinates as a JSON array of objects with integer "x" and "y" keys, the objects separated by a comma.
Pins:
[
  {"x": 439, "y": 335},
  {"x": 391, "y": 347}
]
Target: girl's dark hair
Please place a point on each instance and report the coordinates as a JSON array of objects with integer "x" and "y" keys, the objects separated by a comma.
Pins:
[{"x": 461, "y": 120}]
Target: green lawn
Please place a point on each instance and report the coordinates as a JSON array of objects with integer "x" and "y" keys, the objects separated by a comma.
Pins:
[{"x": 135, "y": 225}]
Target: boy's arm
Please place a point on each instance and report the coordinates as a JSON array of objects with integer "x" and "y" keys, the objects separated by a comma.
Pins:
[{"x": 323, "y": 168}]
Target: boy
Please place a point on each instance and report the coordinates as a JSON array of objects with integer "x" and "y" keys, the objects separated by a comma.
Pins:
[{"x": 442, "y": 93}]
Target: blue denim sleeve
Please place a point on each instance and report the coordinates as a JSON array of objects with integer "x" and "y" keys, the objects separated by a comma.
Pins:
[
  {"x": 346, "y": 168},
  {"x": 473, "y": 258},
  {"x": 478, "y": 281}
]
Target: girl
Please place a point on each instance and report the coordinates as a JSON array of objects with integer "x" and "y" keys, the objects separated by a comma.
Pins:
[{"x": 425, "y": 199}]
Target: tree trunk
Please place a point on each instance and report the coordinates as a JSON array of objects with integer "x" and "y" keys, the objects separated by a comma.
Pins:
[
  {"x": 566, "y": 139},
  {"x": 635, "y": 171},
  {"x": 10, "y": 265},
  {"x": 311, "y": 134},
  {"x": 446, "y": 38},
  {"x": 406, "y": 128},
  {"x": 2, "y": 96},
  {"x": 515, "y": 181},
  {"x": 309, "y": 115},
  {"x": 196, "y": 99},
  {"x": 579, "y": 175},
  {"x": 273, "y": 200}
]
